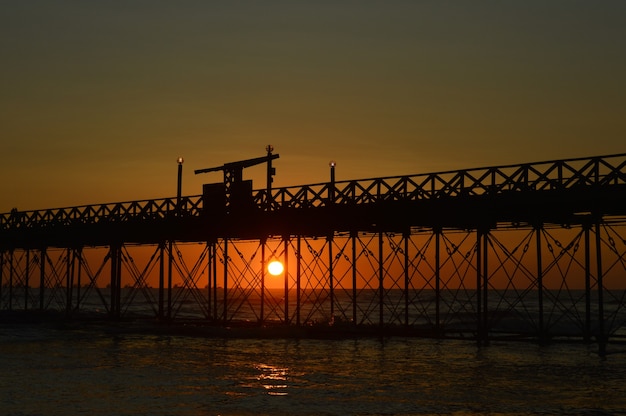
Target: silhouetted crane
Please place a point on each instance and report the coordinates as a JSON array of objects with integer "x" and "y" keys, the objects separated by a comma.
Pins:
[{"x": 236, "y": 191}]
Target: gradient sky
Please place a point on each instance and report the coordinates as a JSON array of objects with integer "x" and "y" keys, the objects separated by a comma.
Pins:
[{"x": 98, "y": 99}]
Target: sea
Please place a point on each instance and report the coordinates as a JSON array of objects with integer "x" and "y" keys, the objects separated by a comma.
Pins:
[{"x": 92, "y": 370}]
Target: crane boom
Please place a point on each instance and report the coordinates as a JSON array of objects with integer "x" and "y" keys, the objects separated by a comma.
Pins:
[{"x": 239, "y": 165}]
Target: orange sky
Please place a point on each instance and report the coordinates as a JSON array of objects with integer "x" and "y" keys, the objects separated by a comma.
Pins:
[{"x": 99, "y": 99}]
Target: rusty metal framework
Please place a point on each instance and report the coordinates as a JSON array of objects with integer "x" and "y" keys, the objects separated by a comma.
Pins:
[{"x": 535, "y": 250}]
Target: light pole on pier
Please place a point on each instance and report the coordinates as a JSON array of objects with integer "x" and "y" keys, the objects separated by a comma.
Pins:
[
  {"x": 331, "y": 188},
  {"x": 179, "y": 188},
  {"x": 271, "y": 171}
]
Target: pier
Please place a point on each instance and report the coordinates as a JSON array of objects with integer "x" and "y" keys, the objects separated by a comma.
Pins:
[{"x": 534, "y": 250}]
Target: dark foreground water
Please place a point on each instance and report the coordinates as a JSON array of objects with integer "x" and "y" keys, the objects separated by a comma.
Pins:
[{"x": 45, "y": 371}]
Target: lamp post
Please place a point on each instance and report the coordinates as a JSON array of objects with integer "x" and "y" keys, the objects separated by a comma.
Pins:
[
  {"x": 331, "y": 188},
  {"x": 270, "y": 173},
  {"x": 331, "y": 278},
  {"x": 179, "y": 188}
]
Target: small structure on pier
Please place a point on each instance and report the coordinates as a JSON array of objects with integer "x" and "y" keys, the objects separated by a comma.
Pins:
[{"x": 235, "y": 193}]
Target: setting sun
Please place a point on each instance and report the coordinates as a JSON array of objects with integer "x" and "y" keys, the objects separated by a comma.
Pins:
[{"x": 275, "y": 268}]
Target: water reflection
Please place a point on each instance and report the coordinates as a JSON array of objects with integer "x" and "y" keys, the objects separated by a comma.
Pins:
[
  {"x": 273, "y": 379},
  {"x": 98, "y": 374}
]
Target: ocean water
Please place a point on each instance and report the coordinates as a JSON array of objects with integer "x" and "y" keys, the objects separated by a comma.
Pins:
[{"x": 45, "y": 370}]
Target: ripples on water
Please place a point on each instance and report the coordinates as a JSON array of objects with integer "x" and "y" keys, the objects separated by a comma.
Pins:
[{"x": 52, "y": 372}]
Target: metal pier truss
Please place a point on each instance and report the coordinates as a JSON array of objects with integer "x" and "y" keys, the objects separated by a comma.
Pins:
[{"x": 536, "y": 250}]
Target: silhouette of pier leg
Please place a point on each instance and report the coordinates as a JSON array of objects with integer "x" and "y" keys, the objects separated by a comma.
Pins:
[
  {"x": 331, "y": 282},
  {"x": 286, "y": 241},
  {"x": 26, "y": 279},
  {"x": 353, "y": 236},
  {"x": 438, "y": 328},
  {"x": 263, "y": 263},
  {"x": 1, "y": 275},
  {"x": 298, "y": 276},
  {"x": 538, "y": 230},
  {"x": 69, "y": 280},
  {"x": 225, "y": 296},
  {"x": 2, "y": 252},
  {"x": 78, "y": 256},
  {"x": 602, "y": 337},
  {"x": 209, "y": 271},
  {"x": 161, "y": 306},
  {"x": 213, "y": 267},
  {"x": 587, "y": 331},
  {"x": 381, "y": 279},
  {"x": 170, "y": 260},
  {"x": 11, "y": 276},
  {"x": 42, "y": 278},
  {"x": 482, "y": 286},
  {"x": 405, "y": 238},
  {"x": 115, "y": 285},
  {"x": 485, "y": 334},
  {"x": 478, "y": 287}
]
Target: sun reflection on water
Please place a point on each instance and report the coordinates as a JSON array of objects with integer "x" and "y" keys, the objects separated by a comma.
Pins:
[{"x": 273, "y": 379}]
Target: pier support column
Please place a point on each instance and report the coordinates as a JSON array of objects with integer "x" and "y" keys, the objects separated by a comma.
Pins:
[
  {"x": 538, "y": 231},
  {"x": 331, "y": 277},
  {"x": 353, "y": 236},
  {"x": 170, "y": 260},
  {"x": 78, "y": 255},
  {"x": 381, "y": 278},
  {"x": 11, "y": 272},
  {"x": 69, "y": 280},
  {"x": 482, "y": 285},
  {"x": 42, "y": 278},
  {"x": 214, "y": 267},
  {"x": 161, "y": 301},
  {"x": 587, "y": 333},
  {"x": 26, "y": 279},
  {"x": 286, "y": 272},
  {"x": 485, "y": 334},
  {"x": 225, "y": 305},
  {"x": 602, "y": 337},
  {"x": 479, "y": 284},
  {"x": 209, "y": 269},
  {"x": 406, "y": 235},
  {"x": 263, "y": 263},
  {"x": 116, "y": 280},
  {"x": 1, "y": 275},
  {"x": 438, "y": 280},
  {"x": 298, "y": 277}
]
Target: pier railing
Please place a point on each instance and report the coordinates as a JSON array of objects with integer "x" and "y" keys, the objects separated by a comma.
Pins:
[{"x": 599, "y": 172}]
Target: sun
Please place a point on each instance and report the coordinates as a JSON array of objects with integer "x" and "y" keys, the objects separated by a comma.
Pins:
[{"x": 275, "y": 267}]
